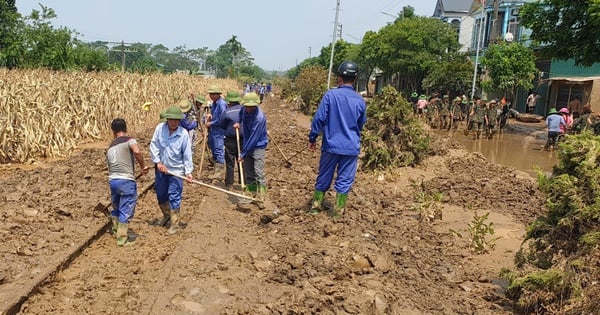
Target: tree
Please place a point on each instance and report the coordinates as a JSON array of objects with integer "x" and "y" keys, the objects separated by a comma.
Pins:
[
  {"x": 45, "y": 45},
  {"x": 564, "y": 28},
  {"x": 235, "y": 47},
  {"x": 510, "y": 66},
  {"x": 411, "y": 47},
  {"x": 11, "y": 36},
  {"x": 453, "y": 74}
]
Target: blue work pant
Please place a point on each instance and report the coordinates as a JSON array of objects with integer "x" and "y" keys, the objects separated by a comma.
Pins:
[
  {"x": 346, "y": 171},
  {"x": 168, "y": 188},
  {"x": 123, "y": 196},
  {"x": 216, "y": 143}
]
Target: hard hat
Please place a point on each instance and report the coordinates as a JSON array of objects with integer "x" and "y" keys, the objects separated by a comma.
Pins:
[
  {"x": 348, "y": 69},
  {"x": 251, "y": 99}
]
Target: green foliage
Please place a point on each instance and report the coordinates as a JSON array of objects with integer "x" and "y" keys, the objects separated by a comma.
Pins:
[
  {"x": 428, "y": 206},
  {"x": 310, "y": 85},
  {"x": 538, "y": 291},
  {"x": 392, "y": 137},
  {"x": 454, "y": 73},
  {"x": 568, "y": 234},
  {"x": 11, "y": 25},
  {"x": 564, "y": 27},
  {"x": 411, "y": 47},
  {"x": 478, "y": 231},
  {"x": 510, "y": 66}
]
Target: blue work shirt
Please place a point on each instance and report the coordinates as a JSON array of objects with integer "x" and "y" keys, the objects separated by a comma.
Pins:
[
  {"x": 554, "y": 121},
  {"x": 229, "y": 118},
  {"x": 173, "y": 150},
  {"x": 189, "y": 121},
  {"x": 216, "y": 111},
  {"x": 254, "y": 128},
  {"x": 341, "y": 116}
]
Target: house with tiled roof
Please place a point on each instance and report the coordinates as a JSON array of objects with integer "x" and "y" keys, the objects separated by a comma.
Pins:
[{"x": 457, "y": 13}]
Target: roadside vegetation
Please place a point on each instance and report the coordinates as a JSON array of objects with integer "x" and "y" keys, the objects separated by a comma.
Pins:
[{"x": 560, "y": 259}]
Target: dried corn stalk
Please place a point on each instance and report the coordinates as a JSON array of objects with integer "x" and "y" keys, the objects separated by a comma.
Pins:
[{"x": 47, "y": 114}]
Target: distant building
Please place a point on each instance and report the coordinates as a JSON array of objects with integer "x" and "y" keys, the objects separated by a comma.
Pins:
[
  {"x": 457, "y": 14},
  {"x": 558, "y": 82}
]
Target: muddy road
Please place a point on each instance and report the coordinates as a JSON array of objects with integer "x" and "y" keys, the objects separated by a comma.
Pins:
[{"x": 382, "y": 257}]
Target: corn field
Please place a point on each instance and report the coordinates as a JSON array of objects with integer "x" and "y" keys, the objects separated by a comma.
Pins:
[{"x": 45, "y": 114}]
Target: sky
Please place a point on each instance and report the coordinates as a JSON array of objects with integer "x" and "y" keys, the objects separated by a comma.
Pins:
[{"x": 278, "y": 33}]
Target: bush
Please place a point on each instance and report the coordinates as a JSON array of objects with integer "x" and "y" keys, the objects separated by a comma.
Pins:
[
  {"x": 392, "y": 137},
  {"x": 311, "y": 84},
  {"x": 567, "y": 236}
]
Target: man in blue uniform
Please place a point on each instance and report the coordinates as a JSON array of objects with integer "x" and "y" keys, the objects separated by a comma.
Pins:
[
  {"x": 230, "y": 117},
  {"x": 340, "y": 117},
  {"x": 254, "y": 127},
  {"x": 216, "y": 134},
  {"x": 171, "y": 151}
]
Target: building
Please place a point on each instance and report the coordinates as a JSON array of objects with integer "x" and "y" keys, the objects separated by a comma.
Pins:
[
  {"x": 558, "y": 82},
  {"x": 457, "y": 13}
]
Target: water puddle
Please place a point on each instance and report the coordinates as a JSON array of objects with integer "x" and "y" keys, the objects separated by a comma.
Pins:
[{"x": 521, "y": 151}]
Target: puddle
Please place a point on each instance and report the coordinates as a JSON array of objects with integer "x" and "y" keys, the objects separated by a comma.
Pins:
[{"x": 520, "y": 151}]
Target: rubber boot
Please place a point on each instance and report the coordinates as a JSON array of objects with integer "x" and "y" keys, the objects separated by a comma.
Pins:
[
  {"x": 174, "y": 222},
  {"x": 340, "y": 205},
  {"x": 166, "y": 219},
  {"x": 317, "y": 202},
  {"x": 122, "y": 235},
  {"x": 218, "y": 174},
  {"x": 261, "y": 196},
  {"x": 115, "y": 225}
]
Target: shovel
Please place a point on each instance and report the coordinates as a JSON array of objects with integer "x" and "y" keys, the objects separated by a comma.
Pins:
[
  {"x": 213, "y": 187},
  {"x": 285, "y": 158},
  {"x": 204, "y": 135},
  {"x": 240, "y": 163}
]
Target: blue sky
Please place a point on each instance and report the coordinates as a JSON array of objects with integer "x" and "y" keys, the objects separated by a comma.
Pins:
[{"x": 278, "y": 33}]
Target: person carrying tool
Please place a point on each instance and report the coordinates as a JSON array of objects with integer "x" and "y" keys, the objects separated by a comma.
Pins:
[
  {"x": 253, "y": 124},
  {"x": 171, "y": 151},
  {"x": 121, "y": 178},
  {"x": 230, "y": 117},
  {"x": 216, "y": 134},
  {"x": 340, "y": 116},
  {"x": 189, "y": 121}
]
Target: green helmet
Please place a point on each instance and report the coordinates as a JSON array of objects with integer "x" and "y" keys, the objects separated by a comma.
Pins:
[
  {"x": 414, "y": 94},
  {"x": 213, "y": 89},
  {"x": 174, "y": 112},
  {"x": 251, "y": 99},
  {"x": 200, "y": 99},
  {"x": 233, "y": 96},
  {"x": 163, "y": 113}
]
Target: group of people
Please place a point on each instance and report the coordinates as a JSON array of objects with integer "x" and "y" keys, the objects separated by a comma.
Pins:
[
  {"x": 261, "y": 89},
  {"x": 566, "y": 121},
  {"x": 480, "y": 114},
  {"x": 171, "y": 151},
  {"x": 233, "y": 122}
]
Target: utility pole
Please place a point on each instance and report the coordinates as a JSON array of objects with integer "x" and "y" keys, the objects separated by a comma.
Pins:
[
  {"x": 340, "y": 32},
  {"x": 482, "y": 25},
  {"x": 309, "y": 52},
  {"x": 333, "y": 40},
  {"x": 123, "y": 51}
]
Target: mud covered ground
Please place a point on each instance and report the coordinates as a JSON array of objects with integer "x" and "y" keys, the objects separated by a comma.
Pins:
[{"x": 381, "y": 258}]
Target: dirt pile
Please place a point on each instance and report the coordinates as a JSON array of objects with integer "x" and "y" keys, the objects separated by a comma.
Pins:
[{"x": 380, "y": 258}]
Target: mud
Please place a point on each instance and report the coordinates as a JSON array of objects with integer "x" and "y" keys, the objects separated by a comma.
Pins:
[{"x": 380, "y": 258}]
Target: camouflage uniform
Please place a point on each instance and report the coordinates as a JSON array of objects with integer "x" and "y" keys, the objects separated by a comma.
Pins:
[
  {"x": 456, "y": 112},
  {"x": 444, "y": 108},
  {"x": 477, "y": 118},
  {"x": 491, "y": 114}
]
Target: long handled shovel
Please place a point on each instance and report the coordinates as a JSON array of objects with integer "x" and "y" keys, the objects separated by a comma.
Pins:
[
  {"x": 205, "y": 134},
  {"x": 285, "y": 158},
  {"x": 240, "y": 163},
  {"x": 212, "y": 187}
]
